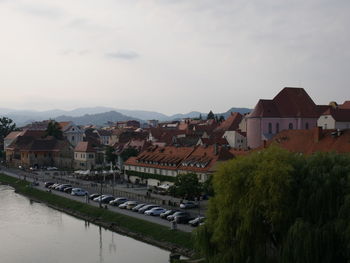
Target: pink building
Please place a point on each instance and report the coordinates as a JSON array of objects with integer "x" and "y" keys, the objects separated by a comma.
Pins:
[{"x": 291, "y": 108}]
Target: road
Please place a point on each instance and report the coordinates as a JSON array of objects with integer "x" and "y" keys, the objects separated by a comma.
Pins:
[{"x": 157, "y": 220}]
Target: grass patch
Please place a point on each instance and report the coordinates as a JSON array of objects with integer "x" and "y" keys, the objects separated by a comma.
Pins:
[{"x": 142, "y": 227}]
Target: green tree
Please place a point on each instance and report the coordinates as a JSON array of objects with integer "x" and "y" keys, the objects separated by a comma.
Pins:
[
  {"x": 187, "y": 186},
  {"x": 211, "y": 116},
  {"x": 6, "y": 126},
  {"x": 129, "y": 152},
  {"x": 54, "y": 129},
  {"x": 276, "y": 206},
  {"x": 110, "y": 155}
]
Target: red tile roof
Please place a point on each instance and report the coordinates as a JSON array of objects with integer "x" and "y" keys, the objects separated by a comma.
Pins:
[
  {"x": 84, "y": 147},
  {"x": 345, "y": 105},
  {"x": 231, "y": 123},
  {"x": 315, "y": 140},
  {"x": 288, "y": 103}
]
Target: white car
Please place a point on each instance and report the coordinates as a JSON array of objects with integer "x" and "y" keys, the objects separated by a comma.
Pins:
[
  {"x": 79, "y": 191},
  {"x": 156, "y": 211}
]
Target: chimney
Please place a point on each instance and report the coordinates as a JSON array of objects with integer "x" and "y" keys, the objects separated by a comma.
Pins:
[{"x": 317, "y": 134}]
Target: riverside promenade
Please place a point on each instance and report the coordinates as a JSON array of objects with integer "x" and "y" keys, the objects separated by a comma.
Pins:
[{"x": 128, "y": 191}]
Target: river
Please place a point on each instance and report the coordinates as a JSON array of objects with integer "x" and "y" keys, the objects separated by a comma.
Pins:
[{"x": 32, "y": 232}]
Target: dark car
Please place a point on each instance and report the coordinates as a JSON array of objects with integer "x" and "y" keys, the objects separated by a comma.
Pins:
[
  {"x": 145, "y": 208},
  {"x": 188, "y": 204},
  {"x": 68, "y": 190},
  {"x": 183, "y": 218},
  {"x": 118, "y": 201},
  {"x": 47, "y": 184},
  {"x": 107, "y": 199},
  {"x": 178, "y": 216},
  {"x": 93, "y": 196},
  {"x": 197, "y": 221},
  {"x": 136, "y": 208},
  {"x": 62, "y": 187},
  {"x": 168, "y": 213}
]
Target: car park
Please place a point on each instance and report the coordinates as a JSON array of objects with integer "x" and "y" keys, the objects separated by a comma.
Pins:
[
  {"x": 79, "y": 192},
  {"x": 145, "y": 208},
  {"x": 118, "y": 201},
  {"x": 155, "y": 211},
  {"x": 197, "y": 221},
  {"x": 188, "y": 205}
]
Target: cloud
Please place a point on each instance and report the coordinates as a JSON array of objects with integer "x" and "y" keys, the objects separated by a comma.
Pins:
[
  {"x": 42, "y": 11},
  {"x": 127, "y": 55}
]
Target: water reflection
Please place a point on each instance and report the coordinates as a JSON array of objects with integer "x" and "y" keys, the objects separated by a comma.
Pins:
[{"x": 33, "y": 232}]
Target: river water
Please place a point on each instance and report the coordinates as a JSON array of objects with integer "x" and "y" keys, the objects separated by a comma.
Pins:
[{"x": 34, "y": 233}]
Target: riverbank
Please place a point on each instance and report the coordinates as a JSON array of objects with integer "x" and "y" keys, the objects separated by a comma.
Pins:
[{"x": 145, "y": 231}]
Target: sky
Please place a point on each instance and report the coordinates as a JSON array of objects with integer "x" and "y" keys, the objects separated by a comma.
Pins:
[{"x": 171, "y": 56}]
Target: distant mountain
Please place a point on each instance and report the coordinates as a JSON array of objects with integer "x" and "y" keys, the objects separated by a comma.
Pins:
[
  {"x": 23, "y": 117},
  {"x": 99, "y": 119}
]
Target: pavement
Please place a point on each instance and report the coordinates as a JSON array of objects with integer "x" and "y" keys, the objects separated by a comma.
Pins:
[{"x": 132, "y": 193}]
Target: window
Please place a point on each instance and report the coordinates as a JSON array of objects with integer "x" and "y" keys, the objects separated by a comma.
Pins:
[
  {"x": 325, "y": 126},
  {"x": 290, "y": 126},
  {"x": 72, "y": 138},
  {"x": 36, "y": 156},
  {"x": 277, "y": 127},
  {"x": 270, "y": 127},
  {"x": 307, "y": 126}
]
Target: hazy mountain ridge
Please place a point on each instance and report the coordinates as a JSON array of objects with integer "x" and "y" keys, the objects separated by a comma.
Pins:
[{"x": 100, "y": 115}]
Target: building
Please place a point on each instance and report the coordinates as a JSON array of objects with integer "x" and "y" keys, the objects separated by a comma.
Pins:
[
  {"x": 73, "y": 133},
  {"x": 335, "y": 118},
  {"x": 160, "y": 165},
  {"x": 87, "y": 157},
  {"x": 11, "y": 137},
  {"x": 236, "y": 139},
  {"x": 290, "y": 109},
  {"x": 32, "y": 149}
]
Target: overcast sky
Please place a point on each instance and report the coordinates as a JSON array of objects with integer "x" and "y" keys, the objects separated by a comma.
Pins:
[{"x": 171, "y": 55}]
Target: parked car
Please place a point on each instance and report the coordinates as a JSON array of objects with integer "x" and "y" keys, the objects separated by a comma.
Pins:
[
  {"x": 51, "y": 168},
  {"x": 107, "y": 199},
  {"x": 79, "y": 192},
  {"x": 118, "y": 201},
  {"x": 168, "y": 213},
  {"x": 47, "y": 184},
  {"x": 132, "y": 205},
  {"x": 182, "y": 217},
  {"x": 155, "y": 211},
  {"x": 136, "y": 208},
  {"x": 62, "y": 187},
  {"x": 93, "y": 196},
  {"x": 177, "y": 214},
  {"x": 97, "y": 199},
  {"x": 188, "y": 204},
  {"x": 196, "y": 221},
  {"x": 68, "y": 190},
  {"x": 125, "y": 204},
  {"x": 145, "y": 208},
  {"x": 53, "y": 186}
]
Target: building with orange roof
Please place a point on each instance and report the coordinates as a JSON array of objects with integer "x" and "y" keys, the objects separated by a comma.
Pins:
[
  {"x": 335, "y": 118},
  {"x": 87, "y": 157},
  {"x": 160, "y": 165}
]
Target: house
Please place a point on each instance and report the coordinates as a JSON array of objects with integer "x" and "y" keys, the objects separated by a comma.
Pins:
[
  {"x": 231, "y": 123},
  {"x": 105, "y": 136},
  {"x": 335, "y": 118},
  {"x": 125, "y": 124},
  {"x": 87, "y": 157},
  {"x": 236, "y": 139},
  {"x": 73, "y": 133},
  {"x": 33, "y": 149},
  {"x": 290, "y": 109}
]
